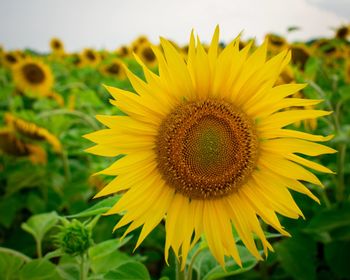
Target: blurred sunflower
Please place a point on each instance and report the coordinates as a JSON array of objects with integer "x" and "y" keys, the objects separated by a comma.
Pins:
[
  {"x": 343, "y": 32},
  {"x": 113, "y": 69},
  {"x": 10, "y": 59},
  {"x": 276, "y": 43},
  {"x": 300, "y": 55},
  {"x": 206, "y": 148},
  {"x": 11, "y": 145},
  {"x": 123, "y": 51},
  {"x": 57, "y": 47},
  {"x": 138, "y": 42},
  {"x": 33, "y": 76},
  {"x": 90, "y": 57},
  {"x": 32, "y": 131},
  {"x": 326, "y": 48},
  {"x": 147, "y": 55},
  {"x": 76, "y": 60}
]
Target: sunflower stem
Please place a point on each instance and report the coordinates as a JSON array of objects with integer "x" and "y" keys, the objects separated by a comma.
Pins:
[
  {"x": 179, "y": 274},
  {"x": 65, "y": 166},
  {"x": 82, "y": 267},
  {"x": 39, "y": 249},
  {"x": 340, "y": 171},
  {"x": 190, "y": 266}
]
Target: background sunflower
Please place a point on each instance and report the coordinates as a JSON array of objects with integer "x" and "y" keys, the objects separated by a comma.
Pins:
[{"x": 32, "y": 76}]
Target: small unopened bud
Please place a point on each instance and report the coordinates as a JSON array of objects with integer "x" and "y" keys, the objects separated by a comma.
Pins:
[{"x": 74, "y": 238}]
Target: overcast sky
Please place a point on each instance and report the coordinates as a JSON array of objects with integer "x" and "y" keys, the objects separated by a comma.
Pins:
[{"x": 110, "y": 23}]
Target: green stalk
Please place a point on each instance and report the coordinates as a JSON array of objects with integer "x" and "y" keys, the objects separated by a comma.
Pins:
[
  {"x": 65, "y": 165},
  {"x": 39, "y": 249},
  {"x": 180, "y": 274},
  {"x": 83, "y": 275},
  {"x": 190, "y": 266},
  {"x": 340, "y": 171}
]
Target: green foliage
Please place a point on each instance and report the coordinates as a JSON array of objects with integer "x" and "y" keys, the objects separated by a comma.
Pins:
[{"x": 53, "y": 203}]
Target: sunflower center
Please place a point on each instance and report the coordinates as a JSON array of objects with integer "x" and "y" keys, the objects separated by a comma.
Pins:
[
  {"x": 56, "y": 45},
  {"x": 113, "y": 68},
  {"x": 90, "y": 55},
  {"x": 33, "y": 73},
  {"x": 206, "y": 149},
  {"x": 11, "y": 58},
  {"x": 148, "y": 54}
]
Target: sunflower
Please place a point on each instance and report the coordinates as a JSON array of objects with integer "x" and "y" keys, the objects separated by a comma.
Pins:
[
  {"x": 327, "y": 49},
  {"x": 113, "y": 69},
  {"x": 146, "y": 53},
  {"x": 90, "y": 57},
  {"x": 276, "y": 43},
  {"x": 32, "y": 131},
  {"x": 11, "y": 145},
  {"x": 138, "y": 42},
  {"x": 205, "y": 148},
  {"x": 10, "y": 59},
  {"x": 300, "y": 55},
  {"x": 33, "y": 76},
  {"x": 76, "y": 60},
  {"x": 342, "y": 32},
  {"x": 123, "y": 51},
  {"x": 57, "y": 47}
]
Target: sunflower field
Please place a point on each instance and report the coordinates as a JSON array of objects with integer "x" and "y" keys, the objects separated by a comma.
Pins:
[{"x": 164, "y": 161}]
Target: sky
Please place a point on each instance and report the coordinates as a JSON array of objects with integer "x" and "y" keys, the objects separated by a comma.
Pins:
[{"x": 111, "y": 23}]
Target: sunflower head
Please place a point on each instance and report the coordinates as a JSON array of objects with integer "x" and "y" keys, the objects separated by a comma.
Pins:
[
  {"x": 138, "y": 42},
  {"x": 32, "y": 131},
  {"x": 33, "y": 76},
  {"x": 342, "y": 32},
  {"x": 113, "y": 69},
  {"x": 10, "y": 59},
  {"x": 147, "y": 55},
  {"x": 300, "y": 55},
  {"x": 91, "y": 57},
  {"x": 76, "y": 60},
  {"x": 276, "y": 43},
  {"x": 206, "y": 147},
  {"x": 57, "y": 46},
  {"x": 74, "y": 238},
  {"x": 12, "y": 145},
  {"x": 123, "y": 51}
]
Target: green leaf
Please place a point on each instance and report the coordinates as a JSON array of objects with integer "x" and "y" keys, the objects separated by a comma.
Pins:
[
  {"x": 39, "y": 270},
  {"x": 130, "y": 270},
  {"x": 329, "y": 219},
  {"x": 39, "y": 225},
  {"x": 105, "y": 255},
  {"x": 99, "y": 208},
  {"x": 298, "y": 256},
  {"x": 337, "y": 255},
  {"x": 10, "y": 265},
  {"x": 207, "y": 267}
]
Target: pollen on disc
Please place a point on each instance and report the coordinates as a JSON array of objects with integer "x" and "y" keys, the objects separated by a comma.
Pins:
[{"x": 206, "y": 149}]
